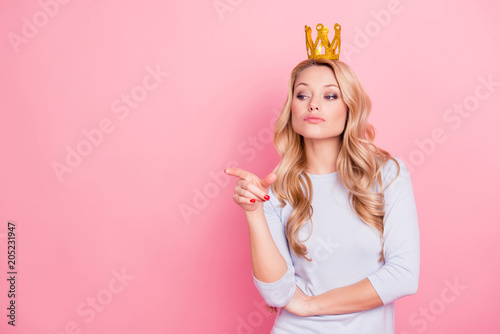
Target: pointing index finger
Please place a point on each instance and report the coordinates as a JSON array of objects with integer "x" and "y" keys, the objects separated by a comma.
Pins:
[
  {"x": 238, "y": 172},
  {"x": 232, "y": 171}
]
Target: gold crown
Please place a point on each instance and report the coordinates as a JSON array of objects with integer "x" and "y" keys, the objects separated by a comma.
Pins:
[{"x": 332, "y": 50}]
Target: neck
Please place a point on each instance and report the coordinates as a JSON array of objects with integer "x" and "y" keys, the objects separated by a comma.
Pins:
[{"x": 322, "y": 155}]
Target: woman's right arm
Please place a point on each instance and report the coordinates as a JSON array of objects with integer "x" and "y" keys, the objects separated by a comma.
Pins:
[
  {"x": 268, "y": 264},
  {"x": 273, "y": 272}
]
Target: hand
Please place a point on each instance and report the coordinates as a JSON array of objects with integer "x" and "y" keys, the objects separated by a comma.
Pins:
[
  {"x": 251, "y": 191},
  {"x": 272, "y": 309},
  {"x": 300, "y": 304}
]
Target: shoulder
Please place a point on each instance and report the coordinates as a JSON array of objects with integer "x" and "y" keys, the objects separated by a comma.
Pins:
[
  {"x": 395, "y": 174},
  {"x": 273, "y": 210},
  {"x": 273, "y": 203}
]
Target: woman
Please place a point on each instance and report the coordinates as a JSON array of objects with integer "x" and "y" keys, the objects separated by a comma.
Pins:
[{"x": 334, "y": 235}]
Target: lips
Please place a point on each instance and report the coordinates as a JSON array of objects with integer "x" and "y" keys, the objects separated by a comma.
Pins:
[{"x": 314, "y": 119}]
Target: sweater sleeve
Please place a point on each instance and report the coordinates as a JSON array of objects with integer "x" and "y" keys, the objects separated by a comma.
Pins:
[
  {"x": 280, "y": 292},
  {"x": 399, "y": 274}
]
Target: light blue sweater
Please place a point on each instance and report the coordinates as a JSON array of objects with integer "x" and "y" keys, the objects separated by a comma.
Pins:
[{"x": 345, "y": 250}]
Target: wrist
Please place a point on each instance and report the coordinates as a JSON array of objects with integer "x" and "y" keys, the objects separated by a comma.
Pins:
[{"x": 254, "y": 213}]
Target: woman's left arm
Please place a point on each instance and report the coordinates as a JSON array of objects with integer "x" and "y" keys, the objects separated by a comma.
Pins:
[
  {"x": 347, "y": 299},
  {"x": 398, "y": 276}
]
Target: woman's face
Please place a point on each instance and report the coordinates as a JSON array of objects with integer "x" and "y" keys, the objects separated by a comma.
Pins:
[{"x": 317, "y": 94}]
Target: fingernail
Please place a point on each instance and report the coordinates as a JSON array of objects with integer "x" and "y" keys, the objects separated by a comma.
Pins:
[
  {"x": 225, "y": 171},
  {"x": 252, "y": 200},
  {"x": 267, "y": 197}
]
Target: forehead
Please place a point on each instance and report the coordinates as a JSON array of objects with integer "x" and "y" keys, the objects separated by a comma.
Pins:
[{"x": 316, "y": 76}]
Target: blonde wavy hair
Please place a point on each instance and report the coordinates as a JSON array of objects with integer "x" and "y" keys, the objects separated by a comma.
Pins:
[{"x": 358, "y": 164}]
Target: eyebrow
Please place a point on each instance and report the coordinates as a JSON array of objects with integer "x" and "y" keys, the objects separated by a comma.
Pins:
[{"x": 303, "y": 83}]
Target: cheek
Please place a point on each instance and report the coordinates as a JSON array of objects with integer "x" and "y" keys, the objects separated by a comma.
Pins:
[
  {"x": 293, "y": 111},
  {"x": 294, "y": 118},
  {"x": 341, "y": 110}
]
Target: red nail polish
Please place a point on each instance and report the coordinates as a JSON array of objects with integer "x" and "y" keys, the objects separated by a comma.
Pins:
[
  {"x": 267, "y": 197},
  {"x": 252, "y": 200}
]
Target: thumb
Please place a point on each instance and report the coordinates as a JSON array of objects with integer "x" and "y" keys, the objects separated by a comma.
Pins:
[{"x": 268, "y": 180}]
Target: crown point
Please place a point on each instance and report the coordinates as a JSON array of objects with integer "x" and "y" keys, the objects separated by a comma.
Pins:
[{"x": 331, "y": 49}]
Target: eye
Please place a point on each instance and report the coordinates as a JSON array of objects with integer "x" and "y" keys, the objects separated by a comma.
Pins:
[
  {"x": 301, "y": 96},
  {"x": 332, "y": 97}
]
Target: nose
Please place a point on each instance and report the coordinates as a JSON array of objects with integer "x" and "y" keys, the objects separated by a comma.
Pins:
[{"x": 313, "y": 104}]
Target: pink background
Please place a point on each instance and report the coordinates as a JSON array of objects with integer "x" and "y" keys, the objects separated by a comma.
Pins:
[{"x": 146, "y": 198}]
